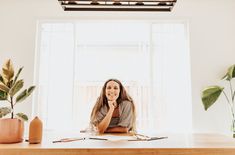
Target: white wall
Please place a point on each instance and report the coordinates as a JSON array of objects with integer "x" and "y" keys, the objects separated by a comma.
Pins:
[{"x": 212, "y": 36}]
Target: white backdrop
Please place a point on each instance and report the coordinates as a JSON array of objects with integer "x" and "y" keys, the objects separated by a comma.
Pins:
[{"x": 211, "y": 29}]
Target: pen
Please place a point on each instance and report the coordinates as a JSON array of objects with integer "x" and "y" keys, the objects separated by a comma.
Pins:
[
  {"x": 156, "y": 138},
  {"x": 93, "y": 138},
  {"x": 67, "y": 140},
  {"x": 150, "y": 139}
]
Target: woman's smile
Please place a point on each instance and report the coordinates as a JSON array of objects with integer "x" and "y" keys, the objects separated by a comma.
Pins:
[{"x": 112, "y": 90}]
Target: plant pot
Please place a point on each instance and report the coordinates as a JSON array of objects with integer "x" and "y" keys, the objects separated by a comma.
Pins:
[{"x": 11, "y": 130}]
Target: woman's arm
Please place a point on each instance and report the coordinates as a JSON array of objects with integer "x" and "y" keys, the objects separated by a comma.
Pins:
[
  {"x": 126, "y": 116},
  {"x": 103, "y": 125},
  {"x": 117, "y": 129}
]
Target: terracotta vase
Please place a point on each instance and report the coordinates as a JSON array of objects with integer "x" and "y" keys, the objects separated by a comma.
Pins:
[
  {"x": 11, "y": 130},
  {"x": 35, "y": 131}
]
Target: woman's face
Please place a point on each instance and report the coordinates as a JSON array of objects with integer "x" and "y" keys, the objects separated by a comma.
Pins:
[{"x": 112, "y": 90}]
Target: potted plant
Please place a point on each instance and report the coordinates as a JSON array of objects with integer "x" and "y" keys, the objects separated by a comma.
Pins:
[
  {"x": 212, "y": 93},
  {"x": 12, "y": 129}
]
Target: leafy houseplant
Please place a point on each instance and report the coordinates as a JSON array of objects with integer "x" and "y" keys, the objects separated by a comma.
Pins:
[
  {"x": 9, "y": 88},
  {"x": 212, "y": 93}
]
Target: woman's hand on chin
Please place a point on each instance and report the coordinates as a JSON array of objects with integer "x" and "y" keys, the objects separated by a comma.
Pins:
[{"x": 112, "y": 104}]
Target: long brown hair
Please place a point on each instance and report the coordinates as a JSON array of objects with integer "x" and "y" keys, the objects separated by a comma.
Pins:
[{"x": 103, "y": 101}]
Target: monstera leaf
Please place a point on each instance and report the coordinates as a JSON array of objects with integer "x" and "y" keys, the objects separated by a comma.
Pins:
[{"x": 210, "y": 95}]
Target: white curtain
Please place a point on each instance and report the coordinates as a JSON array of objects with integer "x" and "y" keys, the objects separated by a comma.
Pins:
[{"x": 150, "y": 59}]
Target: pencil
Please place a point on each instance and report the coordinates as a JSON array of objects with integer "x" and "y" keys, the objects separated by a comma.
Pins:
[
  {"x": 67, "y": 140},
  {"x": 94, "y": 138}
]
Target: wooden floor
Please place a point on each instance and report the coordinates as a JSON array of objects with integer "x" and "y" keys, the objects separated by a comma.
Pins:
[{"x": 197, "y": 144}]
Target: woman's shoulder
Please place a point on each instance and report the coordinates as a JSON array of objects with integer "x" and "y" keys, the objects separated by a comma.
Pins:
[
  {"x": 104, "y": 109},
  {"x": 125, "y": 103}
]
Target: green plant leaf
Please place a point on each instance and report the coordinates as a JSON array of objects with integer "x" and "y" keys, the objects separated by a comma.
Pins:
[
  {"x": 16, "y": 87},
  {"x": 233, "y": 96},
  {"x": 23, "y": 95},
  {"x": 225, "y": 77},
  {"x": 30, "y": 90},
  {"x": 17, "y": 75},
  {"x": 22, "y": 116},
  {"x": 230, "y": 73},
  {"x": 1, "y": 79},
  {"x": 10, "y": 83},
  {"x": 4, "y": 88},
  {"x": 7, "y": 71},
  {"x": 3, "y": 95},
  {"x": 4, "y": 111},
  {"x": 210, "y": 95}
]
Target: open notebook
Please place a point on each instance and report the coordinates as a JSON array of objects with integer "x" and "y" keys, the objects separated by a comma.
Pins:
[
  {"x": 135, "y": 137},
  {"x": 113, "y": 138}
]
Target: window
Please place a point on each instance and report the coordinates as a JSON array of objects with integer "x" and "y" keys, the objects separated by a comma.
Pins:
[{"x": 150, "y": 59}]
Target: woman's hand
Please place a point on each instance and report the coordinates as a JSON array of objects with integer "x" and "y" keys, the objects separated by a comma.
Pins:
[
  {"x": 112, "y": 104},
  {"x": 103, "y": 125}
]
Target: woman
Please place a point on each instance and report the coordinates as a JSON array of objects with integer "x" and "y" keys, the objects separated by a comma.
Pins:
[{"x": 114, "y": 110}]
